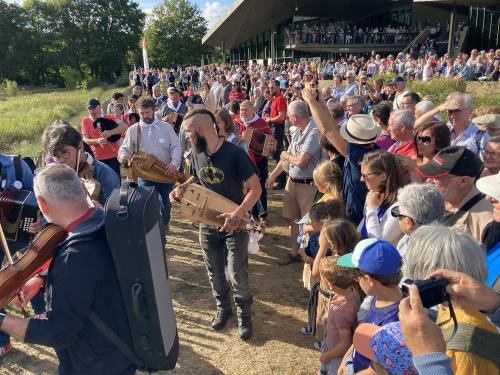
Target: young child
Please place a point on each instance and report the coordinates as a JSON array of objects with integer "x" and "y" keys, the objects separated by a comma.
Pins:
[
  {"x": 339, "y": 236},
  {"x": 327, "y": 179},
  {"x": 342, "y": 313},
  {"x": 379, "y": 266}
]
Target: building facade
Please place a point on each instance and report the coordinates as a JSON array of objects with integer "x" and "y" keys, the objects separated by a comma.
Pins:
[{"x": 269, "y": 30}]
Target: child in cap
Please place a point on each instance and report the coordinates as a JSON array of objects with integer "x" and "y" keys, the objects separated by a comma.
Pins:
[
  {"x": 342, "y": 313},
  {"x": 385, "y": 347},
  {"x": 379, "y": 272}
]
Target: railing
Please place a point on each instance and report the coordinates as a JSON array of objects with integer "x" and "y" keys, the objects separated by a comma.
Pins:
[
  {"x": 420, "y": 38},
  {"x": 328, "y": 39}
]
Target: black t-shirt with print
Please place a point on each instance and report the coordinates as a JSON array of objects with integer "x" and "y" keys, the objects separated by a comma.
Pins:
[{"x": 225, "y": 171}]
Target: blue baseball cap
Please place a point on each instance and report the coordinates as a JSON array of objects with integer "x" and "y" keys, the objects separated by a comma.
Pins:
[{"x": 374, "y": 256}]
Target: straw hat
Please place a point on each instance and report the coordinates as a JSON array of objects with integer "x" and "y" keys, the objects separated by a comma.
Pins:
[{"x": 360, "y": 129}]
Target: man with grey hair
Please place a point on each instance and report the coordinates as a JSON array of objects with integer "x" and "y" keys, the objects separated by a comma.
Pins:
[
  {"x": 81, "y": 279},
  {"x": 458, "y": 105},
  {"x": 352, "y": 86},
  {"x": 302, "y": 156},
  {"x": 418, "y": 204},
  {"x": 401, "y": 124}
]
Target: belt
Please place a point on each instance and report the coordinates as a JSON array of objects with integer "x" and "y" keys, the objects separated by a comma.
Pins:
[{"x": 307, "y": 181}]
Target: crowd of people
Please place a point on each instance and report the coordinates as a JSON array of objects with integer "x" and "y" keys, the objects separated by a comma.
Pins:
[{"x": 379, "y": 192}]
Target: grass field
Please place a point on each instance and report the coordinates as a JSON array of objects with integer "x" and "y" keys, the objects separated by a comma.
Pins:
[{"x": 24, "y": 117}]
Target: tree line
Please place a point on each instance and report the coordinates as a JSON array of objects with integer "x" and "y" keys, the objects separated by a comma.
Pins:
[{"x": 42, "y": 40}]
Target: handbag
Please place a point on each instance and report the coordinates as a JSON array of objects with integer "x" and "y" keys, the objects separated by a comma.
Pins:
[{"x": 148, "y": 167}]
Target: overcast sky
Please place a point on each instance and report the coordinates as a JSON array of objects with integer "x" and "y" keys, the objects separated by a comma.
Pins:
[{"x": 212, "y": 10}]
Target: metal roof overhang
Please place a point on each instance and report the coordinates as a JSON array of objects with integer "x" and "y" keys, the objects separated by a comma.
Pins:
[{"x": 246, "y": 18}]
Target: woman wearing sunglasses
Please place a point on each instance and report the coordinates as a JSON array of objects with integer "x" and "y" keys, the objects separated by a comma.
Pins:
[{"x": 429, "y": 139}]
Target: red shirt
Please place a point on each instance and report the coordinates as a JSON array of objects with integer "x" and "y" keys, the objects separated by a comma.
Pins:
[
  {"x": 407, "y": 148},
  {"x": 237, "y": 95},
  {"x": 101, "y": 152},
  {"x": 260, "y": 125},
  {"x": 278, "y": 105}
]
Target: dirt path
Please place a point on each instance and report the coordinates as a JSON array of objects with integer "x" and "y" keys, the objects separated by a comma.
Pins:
[{"x": 279, "y": 311}]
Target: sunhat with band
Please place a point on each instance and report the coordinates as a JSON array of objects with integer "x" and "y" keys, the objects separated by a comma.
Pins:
[{"x": 361, "y": 130}]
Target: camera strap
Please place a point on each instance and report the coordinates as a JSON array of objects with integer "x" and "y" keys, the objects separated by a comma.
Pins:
[
  {"x": 452, "y": 317},
  {"x": 450, "y": 219}
]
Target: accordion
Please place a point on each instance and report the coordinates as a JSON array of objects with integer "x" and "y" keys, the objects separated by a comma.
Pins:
[{"x": 18, "y": 209}]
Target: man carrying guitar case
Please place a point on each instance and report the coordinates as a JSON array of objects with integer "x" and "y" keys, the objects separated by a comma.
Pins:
[{"x": 134, "y": 236}]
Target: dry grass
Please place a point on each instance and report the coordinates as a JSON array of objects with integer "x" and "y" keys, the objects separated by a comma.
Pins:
[{"x": 279, "y": 311}]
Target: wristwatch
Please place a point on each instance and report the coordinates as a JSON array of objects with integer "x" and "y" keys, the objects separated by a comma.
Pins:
[{"x": 2, "y": 317}]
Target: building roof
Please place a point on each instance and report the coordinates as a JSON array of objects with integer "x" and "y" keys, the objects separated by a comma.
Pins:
[{"x": 246, "y": 18}]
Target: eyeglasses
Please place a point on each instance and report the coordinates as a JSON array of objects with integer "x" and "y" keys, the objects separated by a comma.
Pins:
[
  {"x": 454, "y": 111},
  {"x": 424, "y": 139},
  {"x": 365, "y": 176},
  {"x": 492, "y": 154},
  {"x": 63, "y": 154}
]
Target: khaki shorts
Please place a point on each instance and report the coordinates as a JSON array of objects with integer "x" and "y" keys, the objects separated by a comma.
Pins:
[{"x": 297, "y": 199}]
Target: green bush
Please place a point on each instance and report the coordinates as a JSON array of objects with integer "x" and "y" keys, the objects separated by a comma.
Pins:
[
  {"x": 439, "y": 88},
  {"x": 71, "y": 76},
  {"x": 123, "y": 80},
  {"x": 10, "y": 88}
]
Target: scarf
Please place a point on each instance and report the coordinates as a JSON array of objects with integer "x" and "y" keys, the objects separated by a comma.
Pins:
[
  {"x": 171, "y": 105},
  {"x": 248, "y": 123}
]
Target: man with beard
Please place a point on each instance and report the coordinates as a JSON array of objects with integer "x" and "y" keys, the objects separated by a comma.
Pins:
[
  {"x": 156, "y": 138},
  {"x": 223, "y": 167},
  {"x": 249, "y": 119}
]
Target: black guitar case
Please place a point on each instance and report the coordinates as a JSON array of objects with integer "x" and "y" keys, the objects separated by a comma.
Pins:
[{"x": 136, "y": 241}]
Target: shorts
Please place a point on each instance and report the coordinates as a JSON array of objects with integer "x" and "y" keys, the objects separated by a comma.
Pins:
[
  {"x": 333, "y": 367},
  {"x": 297, "y": 199}
]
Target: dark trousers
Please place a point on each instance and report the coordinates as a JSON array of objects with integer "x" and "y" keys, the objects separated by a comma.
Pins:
[
  {"x": 114, "y": 164},
  {"x": 163, "y": 191},
  {"x": 212, "y": 244},
  {"x": 260, "y": 208},
  {"x": 279, "y": 135}
]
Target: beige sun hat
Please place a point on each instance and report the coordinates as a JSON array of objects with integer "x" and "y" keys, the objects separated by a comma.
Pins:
[
  {"x": 360, "y": 129},
  {"x": 491, "y": 121},
  {"x": 490, "y": 185}
]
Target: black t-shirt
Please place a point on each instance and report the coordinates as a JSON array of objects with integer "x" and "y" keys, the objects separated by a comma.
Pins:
[{"x": 225, "y": 171}]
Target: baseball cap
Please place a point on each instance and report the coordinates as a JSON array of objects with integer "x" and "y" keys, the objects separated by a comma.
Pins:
[
  {"x": 386, "y": 346},
  {"x": 378, "y": 257},
  {"x": 298, "y": 85},
  {"x": 490, "y": 185},
  {"x": 454, "y": 160},
  {"x": 93, "y": 103},
  {"x": 173, "y": 90},
  {"x": 491, "y": 121},
  {"x": 399, "y": 79}
]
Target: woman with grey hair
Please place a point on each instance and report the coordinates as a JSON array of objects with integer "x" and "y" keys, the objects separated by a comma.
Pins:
[
  {"x": 418, "y": 204},
  {"x": 436, "y": 247}
]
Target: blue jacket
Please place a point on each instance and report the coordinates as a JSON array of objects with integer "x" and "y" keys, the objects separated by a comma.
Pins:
[
  {"x": 107, "y": 177},
  {"x": 9, "y": 174},
  {"x": 82, "y": 277}
]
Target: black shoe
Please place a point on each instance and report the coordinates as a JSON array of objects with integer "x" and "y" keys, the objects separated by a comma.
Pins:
[
  {"x": 245, "y": 327},
  {"x": 220, "y": 319}
]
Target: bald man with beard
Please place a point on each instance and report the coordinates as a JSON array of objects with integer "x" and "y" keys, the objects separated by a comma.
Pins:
[{"x": 223, "y": 167}]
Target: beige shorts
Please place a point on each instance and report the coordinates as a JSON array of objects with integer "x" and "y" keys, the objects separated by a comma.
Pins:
[{"x": 297, "y": 199}]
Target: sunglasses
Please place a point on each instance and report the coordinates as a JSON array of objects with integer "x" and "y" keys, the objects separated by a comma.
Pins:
[{"x": 424, "y": 139}]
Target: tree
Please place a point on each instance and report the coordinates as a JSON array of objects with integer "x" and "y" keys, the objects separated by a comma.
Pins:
[{"x": 174, "y": 32}]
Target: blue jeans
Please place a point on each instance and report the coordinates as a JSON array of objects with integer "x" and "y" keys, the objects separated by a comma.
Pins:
[
  {"x": 212, "y": 244},
  {"x": 163, "y": 191}
]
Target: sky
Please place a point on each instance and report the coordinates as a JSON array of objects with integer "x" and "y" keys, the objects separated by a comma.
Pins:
[{"x": 212, "y": 10}]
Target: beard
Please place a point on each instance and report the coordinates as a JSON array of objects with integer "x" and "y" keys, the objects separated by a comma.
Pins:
[
  {"x": 199, "y": 144},
  {"x": 148, "y": 120}
]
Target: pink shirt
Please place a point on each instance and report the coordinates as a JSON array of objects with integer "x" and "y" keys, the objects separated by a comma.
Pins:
[
  {"x": 406, "y": 148},
  {"x": 342, "y": 315}
]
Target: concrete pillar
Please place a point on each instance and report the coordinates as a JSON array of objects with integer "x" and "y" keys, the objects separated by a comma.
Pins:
[
  {"x": 223, "y": 53},
  {"x": 451, "y": 35},
  {"x": 273, "y": 43}
]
